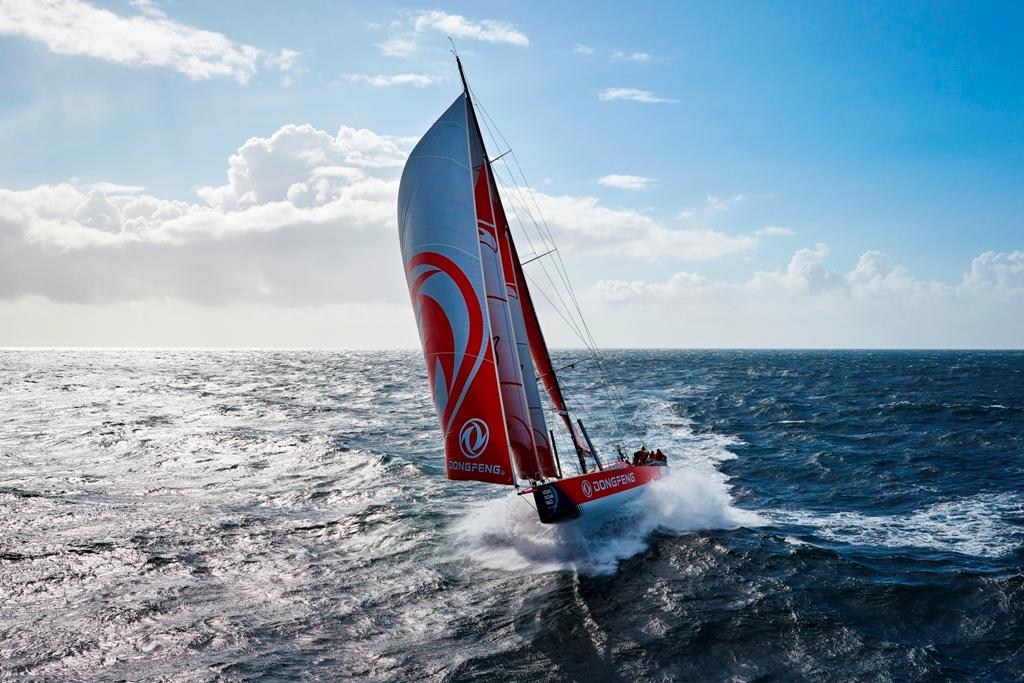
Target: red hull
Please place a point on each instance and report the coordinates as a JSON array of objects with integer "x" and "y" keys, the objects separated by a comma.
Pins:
[{"x": 566, "y": 499}]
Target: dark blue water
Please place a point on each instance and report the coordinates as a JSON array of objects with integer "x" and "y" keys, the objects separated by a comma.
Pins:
[{"x": 201, "y": 515}]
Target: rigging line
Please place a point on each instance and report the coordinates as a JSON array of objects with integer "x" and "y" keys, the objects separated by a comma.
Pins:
[
  {"x": 549, "y": 235},
  {"x": 534, "y": 258},
  {"x": 546, "y": 298},
  {"x": 554, "y": 287},
  {"x": 565, "y": 367},
  {"x": 488, "y": 123},
  {"x": 560, "y": 268},
  {"x": 568, "y": 317}
]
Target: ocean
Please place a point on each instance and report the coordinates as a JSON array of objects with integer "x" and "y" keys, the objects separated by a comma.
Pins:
[{"x": 256, "y": 514}]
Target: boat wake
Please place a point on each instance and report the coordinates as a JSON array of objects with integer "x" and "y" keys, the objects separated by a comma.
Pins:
[{"x": 505, "y": 533}]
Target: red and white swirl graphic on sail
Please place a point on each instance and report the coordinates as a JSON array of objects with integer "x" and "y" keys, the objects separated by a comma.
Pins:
[
  {"x": 460, "y": 367},
  {"x": 437, "y": 227}
]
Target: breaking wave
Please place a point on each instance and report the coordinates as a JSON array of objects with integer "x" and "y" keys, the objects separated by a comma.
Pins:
[{"x": 981, "y": 525}]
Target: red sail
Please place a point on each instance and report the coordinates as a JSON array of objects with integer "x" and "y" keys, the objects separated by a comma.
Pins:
[
  {"x": 510, "y": 374},
  {"x": 541, "y": 357},
  {"x": 514, "y": 283}
]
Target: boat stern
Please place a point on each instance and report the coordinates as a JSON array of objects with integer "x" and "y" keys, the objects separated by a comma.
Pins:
[{"x": 553, "y": 505}]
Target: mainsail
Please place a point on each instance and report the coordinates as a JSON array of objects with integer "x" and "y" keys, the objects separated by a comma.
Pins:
[
  {"x": 436, "y": 221},
  {"x": 480, "y": 333}
]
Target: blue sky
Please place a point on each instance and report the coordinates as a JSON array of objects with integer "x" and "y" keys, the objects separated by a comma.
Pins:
[{"x": 867, "y": 127}]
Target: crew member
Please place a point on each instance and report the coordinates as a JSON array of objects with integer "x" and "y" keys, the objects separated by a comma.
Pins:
[{"x": 641, "y": 456}]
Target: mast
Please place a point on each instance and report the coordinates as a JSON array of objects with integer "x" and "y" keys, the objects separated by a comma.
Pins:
[
  {"x": 523, "y": 415},
  {"x": 535, "y": 337}
]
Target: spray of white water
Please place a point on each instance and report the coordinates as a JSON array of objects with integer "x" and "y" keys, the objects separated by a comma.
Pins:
[{"x": 505, "y": 533}]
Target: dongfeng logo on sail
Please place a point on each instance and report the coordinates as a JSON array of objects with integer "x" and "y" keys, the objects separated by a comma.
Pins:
[{"x": 473, "y": 438}]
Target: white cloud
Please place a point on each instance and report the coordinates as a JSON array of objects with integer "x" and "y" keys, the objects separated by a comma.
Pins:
[
  {"x": 114, "y": 188},
  {"x": 721, "y": 203},
  {"x": 775, "y": 231},
  {"x": 457, "y": 26},
  {"x": 582, "y": 49},
  {"x": 302, "y": 214},
  {"x": 408, "y": 33},
  {"x": 399, "y": 46},
  {"x": 583, "y": 225},
  {"x": 875, "y": 304},
  {"x": 619, "y": 56},
  {"x": 148, "y": 39},
  {"x": 381, "y": 81},
  {"x": 303, "y": 165},
  {"x": 626, "y": 182},
  {"x": 995, "y": 271},
  {"x": 632, "y": 94}
]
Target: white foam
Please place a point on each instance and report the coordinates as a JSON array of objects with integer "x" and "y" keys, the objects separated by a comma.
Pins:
[
  {"x": 976, "y": 525},
  {"x": 505, "y": 533}
]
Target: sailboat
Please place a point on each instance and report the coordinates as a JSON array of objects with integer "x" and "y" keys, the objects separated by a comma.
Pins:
[{"x": 482, "y": 341}]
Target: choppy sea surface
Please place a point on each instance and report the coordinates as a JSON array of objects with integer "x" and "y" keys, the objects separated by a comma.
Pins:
[{"x": 197, "y": 515}]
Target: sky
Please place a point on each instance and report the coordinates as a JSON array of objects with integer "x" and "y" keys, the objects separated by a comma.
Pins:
[{"x": 842, "y": 175}]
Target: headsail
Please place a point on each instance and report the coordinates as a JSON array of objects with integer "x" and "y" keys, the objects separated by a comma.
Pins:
[{"x": 440, "y": 247}]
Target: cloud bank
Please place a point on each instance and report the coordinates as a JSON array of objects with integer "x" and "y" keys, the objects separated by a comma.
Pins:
[
  {"x": 302, "y": 231},
  {"x": 809, "y": 304},
  {"x": 147, "y": 39},
  {"x": 305, "y": 217}
]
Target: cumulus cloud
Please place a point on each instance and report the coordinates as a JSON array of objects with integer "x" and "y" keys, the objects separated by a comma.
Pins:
[
  {"x": 381, "y": 81},
  {"x": 626, "y": 182},
  {"x": 582, "y": 49},
  {"x": 457, "y": 26},
  {"x": 147, "y": 39},
  {"x": 405, "y": 39},
  {"x": 996, "y": 271},
  {"x": 808, "y": 304},
  {"x": 633, "y": 95},
  {"x": 304, "y": 217},
  {"x": 300, "y": 216}
]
